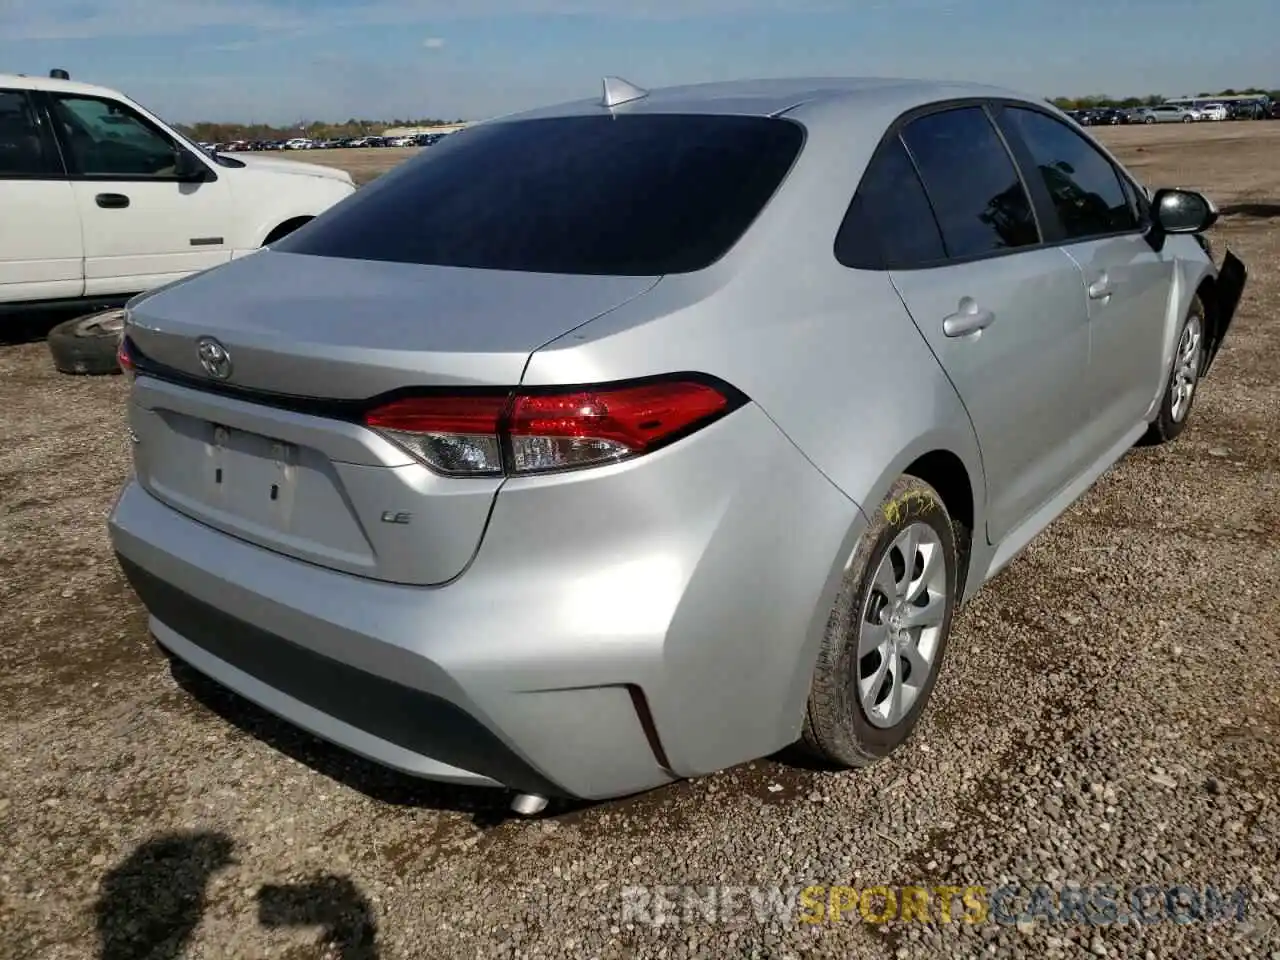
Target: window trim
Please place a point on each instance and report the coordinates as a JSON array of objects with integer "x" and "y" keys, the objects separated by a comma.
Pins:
[
  {"x": 991, "y": 106},
  {"x": 44, "y": 128},
  {"x": 1040, "y": 194},
  {"x": 48, "y": 97}
]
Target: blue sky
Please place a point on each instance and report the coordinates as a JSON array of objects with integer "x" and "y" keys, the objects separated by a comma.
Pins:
[{"x": 286, "y": 60}]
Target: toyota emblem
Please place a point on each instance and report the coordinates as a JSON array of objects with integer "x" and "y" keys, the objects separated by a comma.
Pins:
[{"x": 214, "y": 358}]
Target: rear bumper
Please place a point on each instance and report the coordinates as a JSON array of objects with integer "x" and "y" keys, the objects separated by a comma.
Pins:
[
  {"x": 616, "y": 630},
  {"x": 400, "y": 726}
]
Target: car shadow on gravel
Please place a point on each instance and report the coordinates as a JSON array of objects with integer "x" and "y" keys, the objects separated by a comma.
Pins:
[
  {"x": 1261, "y": 211},
  {"x": 486, "y": 807},
  {"x": 152, "y": 902}
]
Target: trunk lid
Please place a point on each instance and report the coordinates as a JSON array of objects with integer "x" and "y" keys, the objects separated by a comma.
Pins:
[
  {"x": 352, "y": 329},
  {"x": 320, "y": 487}
]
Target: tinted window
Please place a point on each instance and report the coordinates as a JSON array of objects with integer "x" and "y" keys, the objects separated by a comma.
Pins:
[
  {"x": 1083, "y": 185},
  {"x": 890, "y": 223},
  {"x": 631, "y": 195},
  {"x": 107, "y": 139},
  {"x": 977, "y": 197},
  {"x": 23, "y": 151}
]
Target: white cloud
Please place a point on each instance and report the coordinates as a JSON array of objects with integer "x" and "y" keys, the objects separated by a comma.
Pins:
[{"x": 433, "y": 43}]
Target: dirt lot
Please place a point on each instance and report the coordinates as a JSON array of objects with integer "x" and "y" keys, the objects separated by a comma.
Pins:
[
  {"x": 363, "y": 165},
  {"x": 1110, "y": 713}
]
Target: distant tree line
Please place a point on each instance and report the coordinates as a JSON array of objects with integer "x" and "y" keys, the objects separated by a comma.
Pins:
[
  {"x": 1103, "y": 100},
  {"x": 206, "y": 132}
]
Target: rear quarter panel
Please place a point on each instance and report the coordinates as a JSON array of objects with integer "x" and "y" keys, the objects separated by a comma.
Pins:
[{"x": 829, "y": 353}]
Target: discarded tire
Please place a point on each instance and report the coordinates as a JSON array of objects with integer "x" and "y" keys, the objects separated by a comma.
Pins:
[{"x": 88, "y": 344}]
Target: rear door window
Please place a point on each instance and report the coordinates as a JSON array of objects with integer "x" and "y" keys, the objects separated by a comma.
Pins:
[
  {"x": 972, "y": 183},
  {"x": 632, "y": 195}
]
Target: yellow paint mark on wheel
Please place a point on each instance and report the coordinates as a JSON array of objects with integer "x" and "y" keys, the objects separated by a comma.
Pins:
[{"x": 897, "y": 509}]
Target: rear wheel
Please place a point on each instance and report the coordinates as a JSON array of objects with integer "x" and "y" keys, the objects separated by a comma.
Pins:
[
  {"x": 1184, "y": 377},
  {"x": 887, "y": 633}
]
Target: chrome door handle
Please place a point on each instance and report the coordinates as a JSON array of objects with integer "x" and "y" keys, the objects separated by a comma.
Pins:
[
  {"x": 1100, "y": 289},
  {"x": 970, "y": 318}
]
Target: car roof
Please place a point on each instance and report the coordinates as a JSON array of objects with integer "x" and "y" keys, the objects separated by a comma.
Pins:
[
  {"x": 18, "y": 82},
  {"x": 776, "y": 97}
]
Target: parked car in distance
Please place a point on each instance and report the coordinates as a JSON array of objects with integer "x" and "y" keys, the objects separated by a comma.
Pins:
[
  {"x": 1105, "y": 116},
  {"x": 1169, "y": 113},
  {"x": 490, "y": 504},
  {"x": 1249, "y": 109},
  {"x": 113, "y": 201},
  {"x": 1213, "y": 111}
]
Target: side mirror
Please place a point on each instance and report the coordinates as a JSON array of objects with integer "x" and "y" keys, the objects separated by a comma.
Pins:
[
  {"x": 186, "y": 166},
  {"x": 1182, "y": 211}
]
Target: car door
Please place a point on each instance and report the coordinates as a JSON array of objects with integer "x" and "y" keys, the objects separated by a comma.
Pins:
[
  {"x": 143, "y": 224},
  {"x": 1087, "y": 205},
  {"x": 1004, "y": 315},
  {"x": 41, "y": 250}
]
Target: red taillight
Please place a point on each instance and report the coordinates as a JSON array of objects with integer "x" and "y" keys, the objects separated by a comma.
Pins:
[
  {"x": 124, "y": 356},
  {"x": 540, "y": 431},
  {"x": 553, "y": 431}
]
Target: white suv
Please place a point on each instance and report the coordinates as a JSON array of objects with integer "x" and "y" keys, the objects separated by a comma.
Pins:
[{"x": 101, "y": 199}]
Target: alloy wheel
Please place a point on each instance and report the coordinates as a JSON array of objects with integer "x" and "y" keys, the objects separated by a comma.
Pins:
[
  {"x": 1186, "y": 369},
  {"x": 900, "y": 629}
]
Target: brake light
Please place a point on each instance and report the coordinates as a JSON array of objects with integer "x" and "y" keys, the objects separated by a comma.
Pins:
[
  {"x": 539, "y": 431},
  {"x": 124, "y": 356},
  {"x": 554, "y": 431}
]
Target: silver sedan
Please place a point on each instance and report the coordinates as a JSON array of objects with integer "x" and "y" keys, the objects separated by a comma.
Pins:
[{"x": 632, "y": 438}]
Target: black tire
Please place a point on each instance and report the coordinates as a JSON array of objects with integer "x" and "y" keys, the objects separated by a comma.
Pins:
[
  {"x": 88, "y": 344},
  {"x": 1149, "y": 120},
  {"x": 837, "y": 728},
  {"x": 1166, "y": 426},
  {"x": 1187, "y": 119}
]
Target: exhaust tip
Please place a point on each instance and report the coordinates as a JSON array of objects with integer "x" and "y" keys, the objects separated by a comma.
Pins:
[{"x": 528, "y": 804}]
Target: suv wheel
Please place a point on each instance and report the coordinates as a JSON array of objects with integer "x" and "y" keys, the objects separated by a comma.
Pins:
[{"x": 887, "y": 632}]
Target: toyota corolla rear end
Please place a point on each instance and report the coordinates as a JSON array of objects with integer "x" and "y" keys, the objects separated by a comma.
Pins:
[{"x": 349, "y": 508}]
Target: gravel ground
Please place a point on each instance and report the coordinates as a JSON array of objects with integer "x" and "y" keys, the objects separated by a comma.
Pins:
[{"x": 1109, "y": 714}]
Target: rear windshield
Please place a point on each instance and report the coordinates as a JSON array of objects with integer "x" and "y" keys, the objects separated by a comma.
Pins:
[{"x": 638, "y": 195}]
